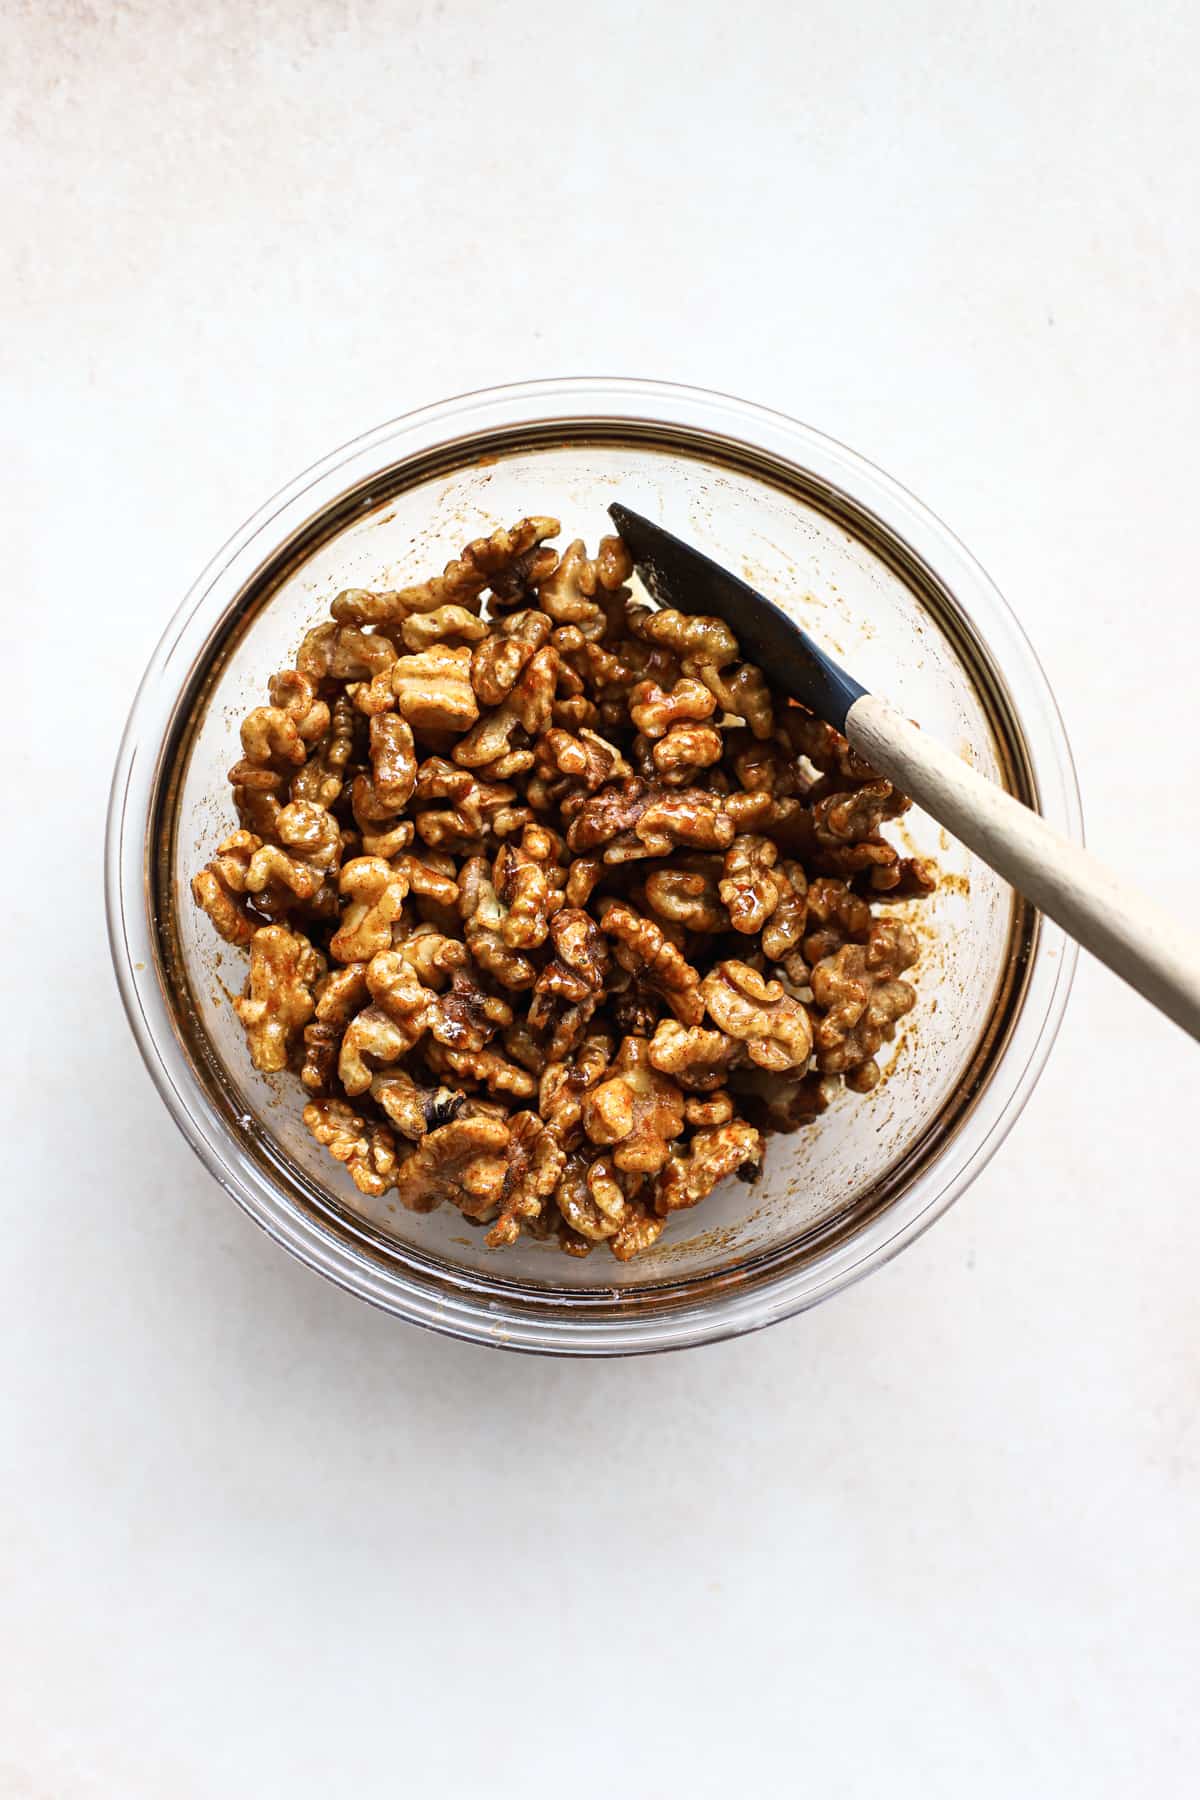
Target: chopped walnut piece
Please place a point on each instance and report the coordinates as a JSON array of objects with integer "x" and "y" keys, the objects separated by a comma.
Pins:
[
  {"x": 696, "y": 639},
  {"x": 860, "y": 995},
  {"x": 462, "y": 1163},
  {"x": 528, "y": 882},
  {"x": 774, "y": 1027},
  {"x": 835, "y": 916},
  {"x": 368, "y": 1151},
  {"x": 376, "y": 894},
  {"x": 685, "y": 891},
  {"x": 636, "y": 1109},
  {"x": 338, "y": 652},
  {"x": 485, "y": 1067},
  {"x": 564, "y": 1084},
  {"x": 483, "y": 919},
  {"x": 568, "y": 595},
  {"x": 278, "y": 1000},
  {"x": 645, "y": 950},
  {"x": 445, "y": 625},
  {"x": 533, "y": 1163},
  {"x": 655, "y": 712},
  {"x": 412, "y": 1109},
  {"x": 750, "y": 889},
  {"x": 433, "y": 688},
  {"x": 323, "y": 776},
  {"x": 698, "y": 1058},
  {"x": 568, "y": 761},
  {"x": 744, "y": 693},
  {"x": 685, "y": 752},
  {"x": 708, "y": 1109},
  {"x": 731, "y": 1148}
]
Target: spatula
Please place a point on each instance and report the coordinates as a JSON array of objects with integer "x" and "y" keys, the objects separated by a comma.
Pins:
[{"x": 1113, "y": 920}]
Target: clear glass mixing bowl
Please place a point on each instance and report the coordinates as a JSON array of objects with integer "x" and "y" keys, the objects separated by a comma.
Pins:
[{"x": 876, "y": 577}]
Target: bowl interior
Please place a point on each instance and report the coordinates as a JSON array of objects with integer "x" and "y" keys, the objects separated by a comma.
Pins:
[{"x": 853, "y": 585}]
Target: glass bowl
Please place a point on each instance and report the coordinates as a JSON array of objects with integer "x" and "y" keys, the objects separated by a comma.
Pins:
[{"x": 877, "y": 578}]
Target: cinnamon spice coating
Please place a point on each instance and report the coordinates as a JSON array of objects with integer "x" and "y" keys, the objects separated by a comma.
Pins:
[{"x": 553, "y": 904}]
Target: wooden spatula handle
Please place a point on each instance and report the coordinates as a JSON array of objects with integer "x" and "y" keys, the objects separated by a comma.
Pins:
[{"x": 1121, "y": 926}]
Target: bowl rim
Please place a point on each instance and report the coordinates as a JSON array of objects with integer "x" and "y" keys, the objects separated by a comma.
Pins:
[{"x": 484, "y": 1311}]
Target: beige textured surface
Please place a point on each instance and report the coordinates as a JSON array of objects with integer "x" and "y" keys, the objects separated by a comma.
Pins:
[{"x": 939, "y": 1537}]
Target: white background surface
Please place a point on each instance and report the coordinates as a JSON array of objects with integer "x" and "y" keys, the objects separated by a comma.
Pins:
[{"x": 938, "y": 1538}]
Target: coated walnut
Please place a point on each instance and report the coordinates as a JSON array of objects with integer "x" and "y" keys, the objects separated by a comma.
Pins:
[
  {"x": 686, "y": 891},
  {"x": 836, "y": 915},
  {"x": 774, "y": 1028},
  {"x": 278, "y": 1001},
  {"x": 695, "y": 1056},
  {"x": 644, "y": 949},
  {"x": 375, "y": 893},
  {"x": 415, "y": 1110},
  {"x": 861, "y": 997},
  {"x": 528, "y": 881},
  {"x": 368, "y": 1150},
  {"x": 461, "y": 1163},
  {"x": 445, "y": 625},
  {"x": 715, "y": 1152},
  {"x": 636, "y": 1109},
  {"x": 433, "y": 688},
  {"x": 694, "y": 638},
  {"x": 656, "y": 711},
  {"x": 533, "y": 1164}
]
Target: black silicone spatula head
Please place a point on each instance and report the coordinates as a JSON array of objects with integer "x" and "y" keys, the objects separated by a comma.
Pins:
[{"x": 683, "y": 578}]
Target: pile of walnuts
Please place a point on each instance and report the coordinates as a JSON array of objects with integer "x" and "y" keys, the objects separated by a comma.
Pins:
[{"x": 556, "y": 912}]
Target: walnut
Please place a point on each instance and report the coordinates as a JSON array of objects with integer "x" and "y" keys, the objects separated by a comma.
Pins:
[
  {"x": 564, "y": 1084},
  {"x": 839, "y": 834},
  {"x": 376, "y": 893},
  {"x": 484, "y": 1067},
  {"x": 483, "y": 918},
  {"x": 430, "y": 876},
  {"x": 645, "y": 950},
  {"x": 744, "y": 693},
  {"x": 369, "y": 1152},
  {"x": 636, "y": 1109},
  {"x": 465, "y": 1017},
  {"x": 708, "y": 1109},
  {"x": 323, "y": 776},
  {"x": 861, "y": 997},
  {"x": 686, "y": 750},
  {"x": 278, "y": 1000},
  {"x": 696, "y": 1057},
  {"x": 693, "y": 637},
  {"x": 732, "y": 1148},
  {"x": 685, "y": 891},
  {"x": 533, "y": 1164},
  {"x": 341, "y": 652},
  {"x": 433, "y": 688},
  {"x": 340, "y": 994},
  {"x": 836, "y": 916},
  {"x": 445, "y": 625},
  {"x": 784, "y": 928},
  {"x": 434, "y": 956},
  {"x": 568, "y": 989},
  {"x": 528, "y": 883},
  {"x": 655, "y": 711},
  {"x": 568, "y": 595},
  {"x": 774, "y": 1027},
  {"x": 462, "y": 583},
  {"x": 598, "y": 1204},
  {"x": 216, "y": 887},
  {"x": 319, "y": 1068},
  {"x": 480, "y": 810},
  {"x": 569, "y": 762},
  {"x": 313, "y": 845},
  {"x": 462, "y": 1162},
  {"x": 412, "y": 1109},
  {"x": 750, "y": 888},
  {"x": 403, "y": 1010},
  {"x": 823, "y": 746}
]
